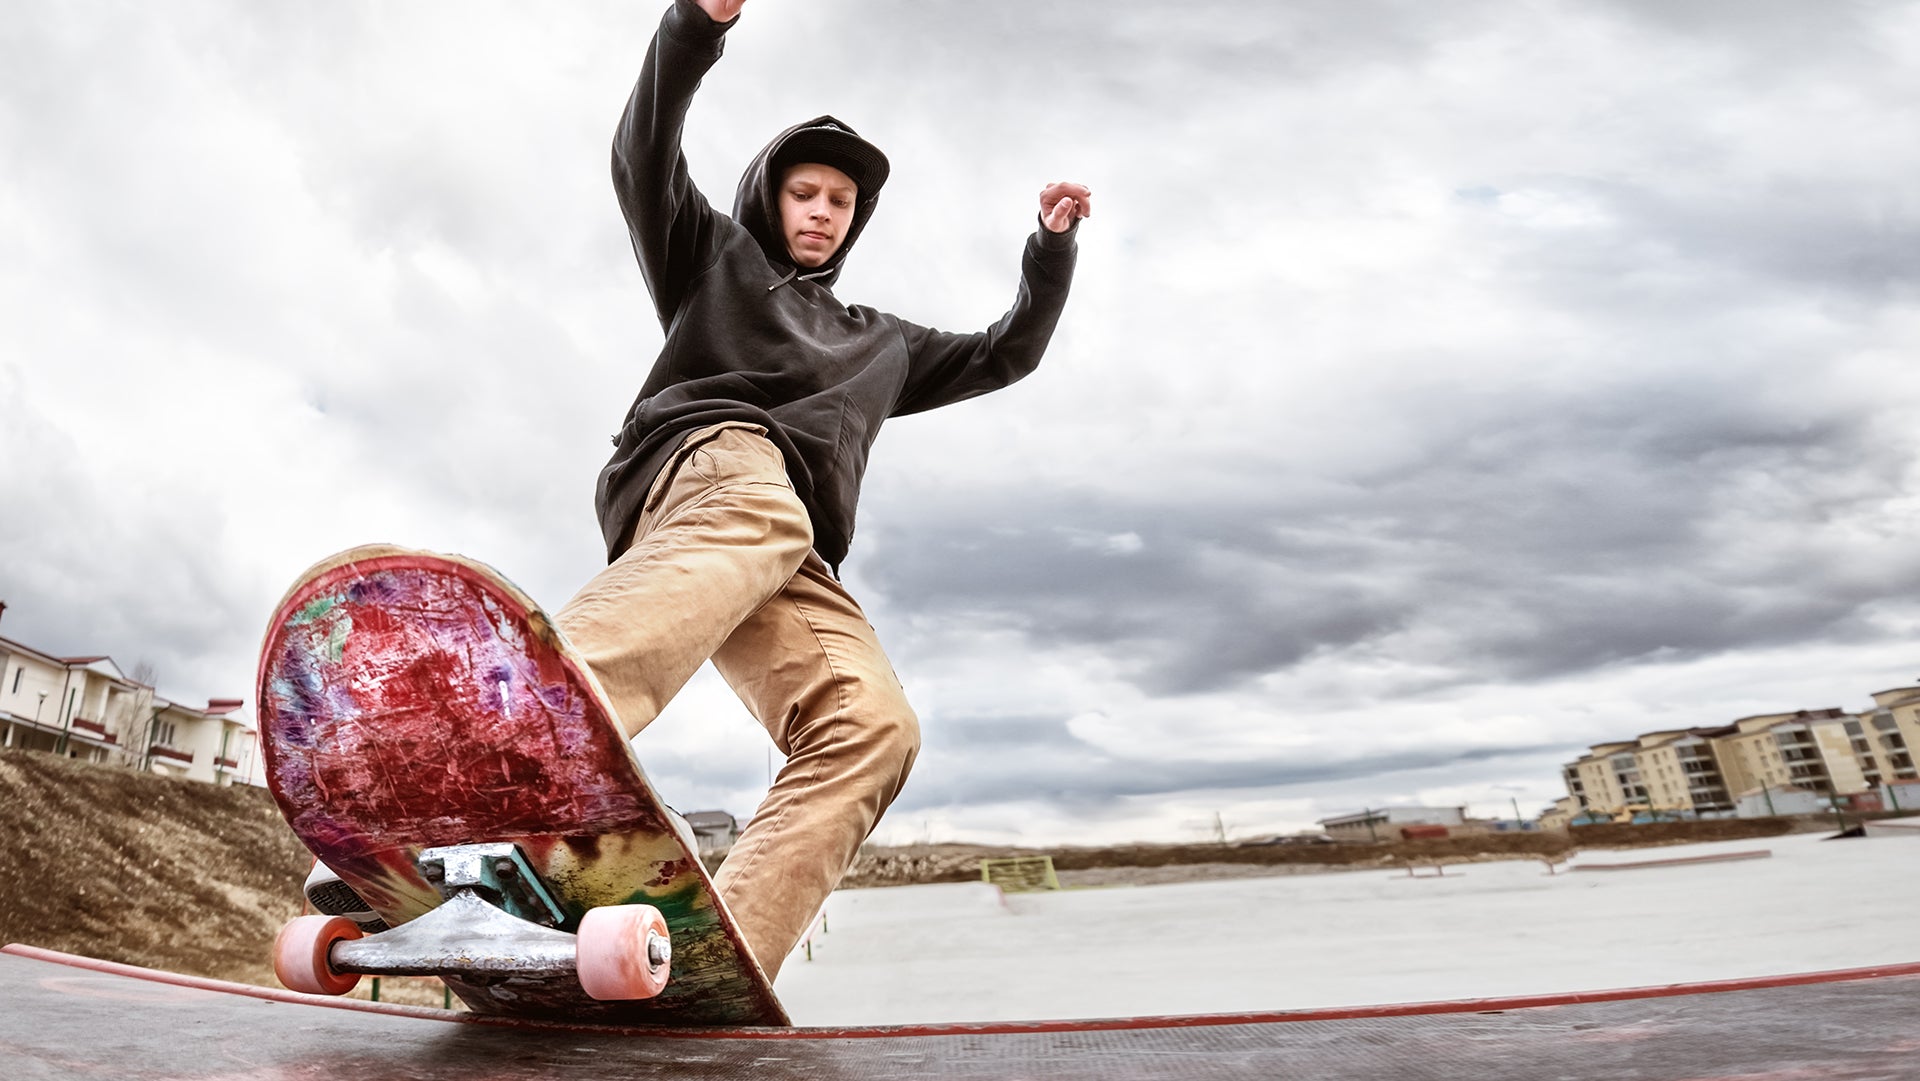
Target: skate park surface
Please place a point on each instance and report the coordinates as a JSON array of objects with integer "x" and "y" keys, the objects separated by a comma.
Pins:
[
  {"x": 1272, "y": 977},
  {"x": 915, "y": 954}
]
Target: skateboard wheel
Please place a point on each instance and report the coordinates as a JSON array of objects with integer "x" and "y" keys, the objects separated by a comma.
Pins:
[
  {"x": 300, "y": 955},
  {"x": 622, "y": 952}
]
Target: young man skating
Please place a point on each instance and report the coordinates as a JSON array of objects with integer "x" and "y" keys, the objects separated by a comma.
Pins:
[
  {"x": 728, "y": 504},
  {"x": 729, "y": 501}
]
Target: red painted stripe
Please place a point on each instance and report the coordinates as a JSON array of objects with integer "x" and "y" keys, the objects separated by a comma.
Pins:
[{"x": 992, "y": 1028}]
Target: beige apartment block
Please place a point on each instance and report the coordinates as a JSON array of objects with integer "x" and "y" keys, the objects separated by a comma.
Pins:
[
  {"x": 1749, "y": 756},
  {"x": 1672, "y": 772},
  {"x": 1819, "y": 755},
  {"x": 1707, "y": 790},
  {"x": 1826, "y": 753},
  {"x": 87, "y": 708},
  {"x": 80, "y": 707},
  {"x": 1661, "y": 773},
  {"x": 213, "y": 744},
  {"x": 1606, "y": 779},
  {"x": 1888, "y": 735},
  {"x": 1561, "y": 814}
]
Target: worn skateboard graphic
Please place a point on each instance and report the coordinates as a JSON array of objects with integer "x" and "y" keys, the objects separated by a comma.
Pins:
[{"x": 433, "y": 739}]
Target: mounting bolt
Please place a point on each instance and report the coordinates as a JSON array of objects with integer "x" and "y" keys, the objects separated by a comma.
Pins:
[
  {"x": 505, "y": 869},
  {"x": 434, "y": 872},
  {"x": 659, "y": 950}
]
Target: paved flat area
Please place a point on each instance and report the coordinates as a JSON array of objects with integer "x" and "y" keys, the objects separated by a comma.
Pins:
[
  {"x": 59, "y": 1021},
  {"x": 956, "y": 953}
]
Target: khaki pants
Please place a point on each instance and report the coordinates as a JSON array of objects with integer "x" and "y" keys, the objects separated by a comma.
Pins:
[{"x": 721, "y": 566}]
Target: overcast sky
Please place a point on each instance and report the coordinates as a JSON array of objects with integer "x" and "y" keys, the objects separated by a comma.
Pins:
[{"x": 1445, "y": 388}]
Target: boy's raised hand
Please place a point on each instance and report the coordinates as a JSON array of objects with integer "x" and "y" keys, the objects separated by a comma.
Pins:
[
  {"x": 1063, "y": 201},
  {"x": 721, "y": 11}
]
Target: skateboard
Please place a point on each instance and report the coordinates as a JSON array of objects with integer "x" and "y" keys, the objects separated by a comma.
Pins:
[{"x": 432, "y": 737}]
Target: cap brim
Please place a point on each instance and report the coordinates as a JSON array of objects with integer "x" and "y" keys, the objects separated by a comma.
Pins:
[{"x": 860, "y": 160}]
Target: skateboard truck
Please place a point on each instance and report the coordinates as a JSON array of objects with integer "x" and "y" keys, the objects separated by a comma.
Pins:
[
  {"x": 498, "y": 873},
  {"x": 498, "y": 921}
]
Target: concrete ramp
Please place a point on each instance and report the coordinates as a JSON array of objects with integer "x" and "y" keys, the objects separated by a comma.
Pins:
[{"x": 70, "y": 1017}]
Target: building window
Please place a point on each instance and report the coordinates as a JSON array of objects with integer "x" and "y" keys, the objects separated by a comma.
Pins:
[{"x": 17, "y": 673}]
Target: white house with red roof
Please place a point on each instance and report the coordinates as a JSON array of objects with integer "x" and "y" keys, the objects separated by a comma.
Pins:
[{"x": 87, "y": 708}]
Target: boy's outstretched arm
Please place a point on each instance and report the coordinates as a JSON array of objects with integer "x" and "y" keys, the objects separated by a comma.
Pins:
[
  {"x": 945, "y": 367},
  {"x": 673, "y": 229}
]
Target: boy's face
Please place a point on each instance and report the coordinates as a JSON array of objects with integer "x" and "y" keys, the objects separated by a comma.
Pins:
[{"x": 816, "y": 207}]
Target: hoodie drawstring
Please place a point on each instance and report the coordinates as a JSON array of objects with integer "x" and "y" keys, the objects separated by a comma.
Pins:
[{"x": 794, "y": 274}]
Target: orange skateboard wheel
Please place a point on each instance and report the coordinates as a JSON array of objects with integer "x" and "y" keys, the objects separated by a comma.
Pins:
[
  {"x": 623, "y": 952},
  {"x": 300, "y": 955}
]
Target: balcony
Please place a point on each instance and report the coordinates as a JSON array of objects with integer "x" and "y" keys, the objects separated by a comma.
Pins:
[
  {"x": 89, "y": 731},
  {"x": 171, "y": 754}
]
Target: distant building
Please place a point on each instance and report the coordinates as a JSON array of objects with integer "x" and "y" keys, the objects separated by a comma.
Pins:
[
  {"x": 1386, "y": 823},
  {"x": 1698, "y": 772},
  {"x": 1561, "y": 814},
  {"x": 87, "y": 708},
  {"x": 1883, "y": 738},
  {"x": 716, "y": 829}
]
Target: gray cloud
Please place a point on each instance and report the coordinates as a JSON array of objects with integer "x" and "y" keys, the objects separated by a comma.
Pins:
[
  {"x": 1547, "y": 538},
  {"x": 994, "y": 760}
]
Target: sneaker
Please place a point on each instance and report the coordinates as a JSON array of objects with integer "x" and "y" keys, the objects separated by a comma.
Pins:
[{"x": 331, "y": 897}]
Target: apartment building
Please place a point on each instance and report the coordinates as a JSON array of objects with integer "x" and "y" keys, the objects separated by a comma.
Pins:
[
  {"x": 87, "y": 708},
  {"x": 1808, "y": 749},
  {"x": 80, "y": 707},
  {"x": 1385, "y": 824},
  {"x": 1707, "y": 790},
  {"x": 1605, "y": 780},
  {"x": 1884, "y": 737},
  {"x": 1826, "y": 753},
  {"x": 1661, "y": 775}
]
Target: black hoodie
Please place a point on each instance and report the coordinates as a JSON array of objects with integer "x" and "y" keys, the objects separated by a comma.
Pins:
[{"x": 750, "y": 337}]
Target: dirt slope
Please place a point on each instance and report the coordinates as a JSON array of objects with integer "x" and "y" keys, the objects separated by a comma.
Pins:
[{"x": 145, "y": 870}]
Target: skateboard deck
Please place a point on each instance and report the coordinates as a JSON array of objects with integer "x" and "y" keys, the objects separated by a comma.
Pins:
[{"x": 411, "y": 700}]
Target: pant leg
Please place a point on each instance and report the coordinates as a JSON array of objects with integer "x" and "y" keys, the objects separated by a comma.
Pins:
[
  {"x": 809, "y": 666},
  {"x": 720, "y": 533}
]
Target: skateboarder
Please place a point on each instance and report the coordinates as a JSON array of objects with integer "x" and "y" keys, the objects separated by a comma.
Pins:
[{"x": 728, "y": 504}]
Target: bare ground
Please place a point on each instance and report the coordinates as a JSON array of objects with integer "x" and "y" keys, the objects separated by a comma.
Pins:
[{"x": 198, "y": 879}]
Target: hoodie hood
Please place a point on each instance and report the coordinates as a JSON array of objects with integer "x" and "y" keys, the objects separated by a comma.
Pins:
[{"x": 756, "y": 204}]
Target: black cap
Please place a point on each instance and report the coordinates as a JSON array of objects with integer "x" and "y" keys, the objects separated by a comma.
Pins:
[{"x": 829, "y": 142}]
